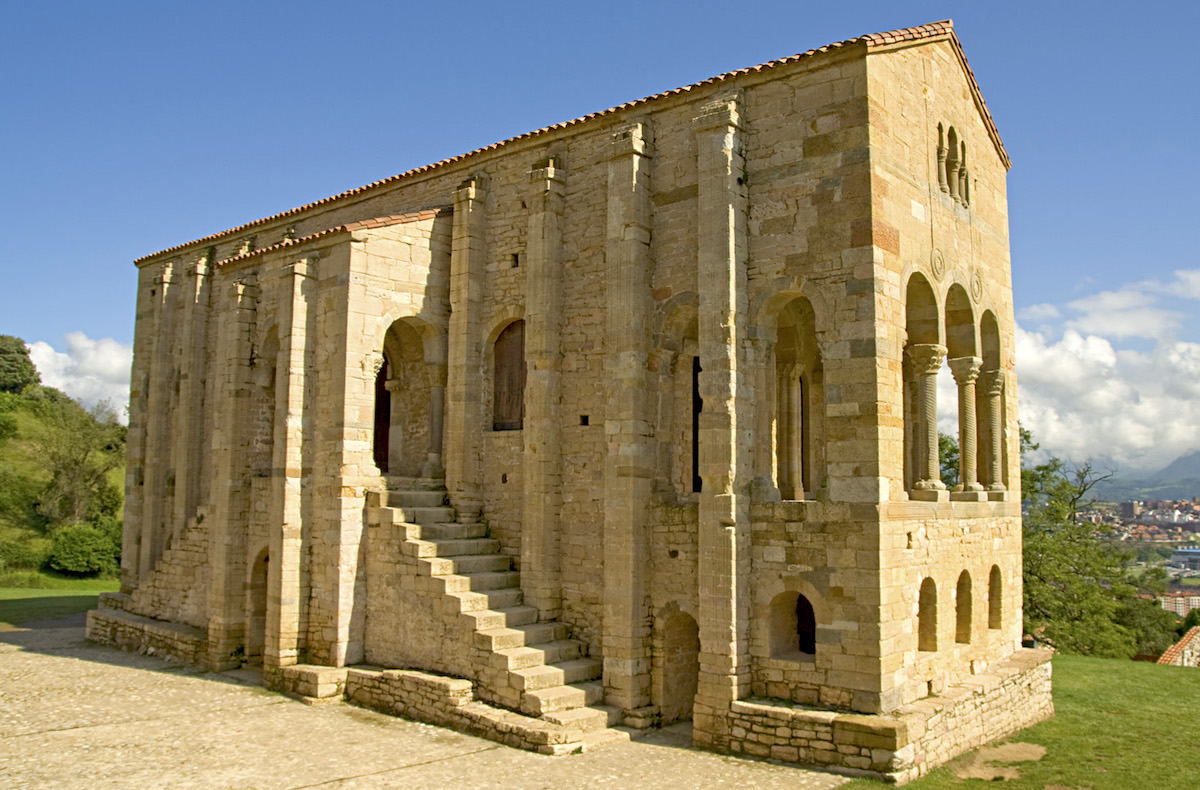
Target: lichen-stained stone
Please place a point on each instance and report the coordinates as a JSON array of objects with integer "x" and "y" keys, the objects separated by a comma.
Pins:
[{"x": 623, "y": 421}]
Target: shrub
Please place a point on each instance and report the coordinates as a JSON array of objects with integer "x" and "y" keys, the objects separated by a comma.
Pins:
[
  {"x": 21, "y": 554},
  {"x": 82, "y": 550}
]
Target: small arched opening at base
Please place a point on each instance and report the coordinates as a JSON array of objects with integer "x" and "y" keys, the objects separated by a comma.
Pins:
[
  {"x": 793, "y": 626},
  {"x": 962, "y": 609},
  {"x": 256, "y": 609},
  {"x": 681, "y": 667},
  {"x": 927, "y": 616},
  {"x": 995, "y": 600}
]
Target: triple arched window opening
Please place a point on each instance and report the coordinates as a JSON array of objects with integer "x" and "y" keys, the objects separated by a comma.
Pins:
[
  {"x": 952, "y": 337},
  {"x": 954, "y": 177},
  {"x": 927, "y": 609}
]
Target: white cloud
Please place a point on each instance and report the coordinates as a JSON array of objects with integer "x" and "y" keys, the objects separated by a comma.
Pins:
[
  {"x": 1082, "y": 398},
  {"x": 1187, "y": 283},
  {"x": 1131, "y": 311},
  {"x": 1039, "y": 312},
  {"x": 89, "y": 370}
]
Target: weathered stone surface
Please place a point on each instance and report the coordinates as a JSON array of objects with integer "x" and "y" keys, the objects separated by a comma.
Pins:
[{"x": 632, "y": 419}]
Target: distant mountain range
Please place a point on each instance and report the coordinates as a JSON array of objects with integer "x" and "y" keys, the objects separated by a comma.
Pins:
[{"x": 1179, "y": 479}]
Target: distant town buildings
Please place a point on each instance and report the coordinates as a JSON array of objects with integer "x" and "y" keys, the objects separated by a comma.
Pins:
[{"x": 1180, "y": 603}]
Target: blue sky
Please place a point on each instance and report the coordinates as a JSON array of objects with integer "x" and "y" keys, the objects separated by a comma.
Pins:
[{"x": 134, "y": 126}]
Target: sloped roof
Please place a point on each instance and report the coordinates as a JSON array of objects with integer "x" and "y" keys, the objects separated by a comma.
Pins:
[
  {"x": 1174, "y": 651},
  {"x": 350, "y": 227},
  {"x": 932, "y": 31}
]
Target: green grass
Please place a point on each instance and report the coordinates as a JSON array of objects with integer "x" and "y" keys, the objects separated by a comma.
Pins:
[
  {"x": 23, "y": 605},
  {"x": 1190, "y": 581},
  {"x": 1118, "y": 725}
]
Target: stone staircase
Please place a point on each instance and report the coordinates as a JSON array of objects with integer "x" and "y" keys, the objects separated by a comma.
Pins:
[{"x": 531, "y": 667}]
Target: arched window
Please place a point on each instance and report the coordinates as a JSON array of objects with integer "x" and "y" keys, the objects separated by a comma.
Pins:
[
  {"x": 383, "y": 418},
  {"x": 793, "y": 625},
  {"x": 923, "y": 357},
  {"x": 962, "y": 609},
  {"x": 927, "y": 616},
  {"x": 995, "y": 601},
  {"x": 799, "y": 403},
  {"x": 806, "y": 626},
  {"x": 508, "y": 379}
]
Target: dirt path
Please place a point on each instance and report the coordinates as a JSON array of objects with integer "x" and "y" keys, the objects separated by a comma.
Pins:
[{"x": 78, "y": 715}]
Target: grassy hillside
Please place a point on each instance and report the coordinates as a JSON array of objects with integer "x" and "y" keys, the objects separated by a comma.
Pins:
[
  {"x": 60, "y": 466},
  {"x": 1118, "y": 725}
]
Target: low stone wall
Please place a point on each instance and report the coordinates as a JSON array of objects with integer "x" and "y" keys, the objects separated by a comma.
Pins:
[
  {"x": 908, "y": 743},
  {"x": 450, "y": 702},
  {"x": 143, "y": 635}
]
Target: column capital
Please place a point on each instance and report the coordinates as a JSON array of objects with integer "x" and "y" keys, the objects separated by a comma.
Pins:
[
  {"x": 721, "y": 112},
  {"x": 635, "y": 138},
  {"x": 965, "y": 369},
  {"x": 992, "y": 382},
  {"x": 547, "y": 170},
  {"x": 474, "y": 188},
  {"x": 298, "y": 268},
  {"x": 926, "y": 357}
]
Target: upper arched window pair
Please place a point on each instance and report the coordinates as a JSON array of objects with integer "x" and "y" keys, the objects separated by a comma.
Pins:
[{"x": 953, "y": 176}]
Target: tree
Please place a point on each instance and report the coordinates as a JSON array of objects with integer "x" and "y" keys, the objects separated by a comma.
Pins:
[
  {"x": 78, "y": 448},
  {"x": 16, "y": 369},
  {"x": 948, "y": 459},
  {"x": 1080, "y": 596}
]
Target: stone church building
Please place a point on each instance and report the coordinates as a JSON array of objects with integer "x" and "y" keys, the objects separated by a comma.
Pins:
[{"x": 622, "y": 422}]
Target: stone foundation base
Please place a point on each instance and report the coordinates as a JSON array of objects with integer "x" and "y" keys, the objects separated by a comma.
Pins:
[
  {"x": 907, "y": 743},
  {"x": 150, "y": 637}
]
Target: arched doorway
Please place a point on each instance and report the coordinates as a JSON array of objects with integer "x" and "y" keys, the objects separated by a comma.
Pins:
[
  {"x": 681, "y": 667},
  {"x": 408, "y": 401},
  {"x": 256, "y": 609}
]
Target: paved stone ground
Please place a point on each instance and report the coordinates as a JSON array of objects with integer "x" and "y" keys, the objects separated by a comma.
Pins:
[{"x": 78, "y": 715}]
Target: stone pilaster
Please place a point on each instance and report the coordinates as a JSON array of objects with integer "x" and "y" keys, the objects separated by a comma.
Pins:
[
  {"x": 158, "y": 444},
  {"x": 628, "y": 466},
  {"x": 992, "y": 383},
  {"x": 966, "y": 371},
  {"x": 189, "y": 416},
  {"x": 231, "y": 487},
  {"x": 725, "y": 420},
  {"x": 926, "y": 359},
  {"x": 468, "y": 253},
  {"x": 540, "y": 527},
  {"x": 136, "y": 442},
  {"x": 287, "y": 610}
]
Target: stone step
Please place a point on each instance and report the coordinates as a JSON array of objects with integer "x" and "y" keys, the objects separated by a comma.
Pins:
[
  {"x": 452, "y": 548},
  {"x": 425, "y": 515},
  {"x": 491, "y": 599},
  {"x": 503, "y": 637},
  {"x": 452, "y": 531},
  {"x": 513, "y": 658},
  {"x": 487, "y": 620},
  {"x": 416, "y": 499},
  {"x": 560, "y": 698},
  {"x": 597, "y": 739},
  {"x": 416, "y": 483},
  {"x": 592, "y": 717},
  {"x": 499, "y": 580},
  {"x": 469, "y": 563},
  {"x": 534, "y": 678},
  {"x": 459, "y": 584}
]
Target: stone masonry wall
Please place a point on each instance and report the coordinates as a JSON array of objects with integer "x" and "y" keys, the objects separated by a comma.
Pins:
[{"x": 909, "y": 741}]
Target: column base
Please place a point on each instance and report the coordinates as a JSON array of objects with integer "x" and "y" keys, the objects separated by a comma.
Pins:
[
  {"x": 929, "y": 495},
  {"x": 969, "y": 496}
]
